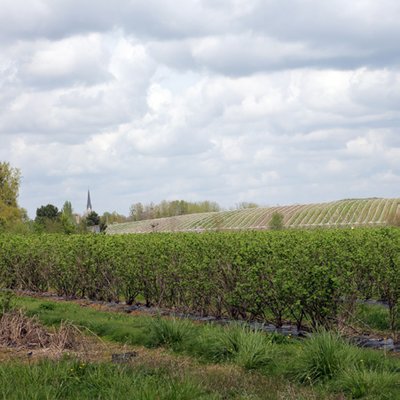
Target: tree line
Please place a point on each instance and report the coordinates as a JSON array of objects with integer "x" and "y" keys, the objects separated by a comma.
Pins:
[{"x": 165, "y": 208}]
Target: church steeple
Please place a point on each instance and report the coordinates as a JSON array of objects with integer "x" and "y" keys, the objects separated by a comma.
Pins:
[{"x": 89, "y": 207}]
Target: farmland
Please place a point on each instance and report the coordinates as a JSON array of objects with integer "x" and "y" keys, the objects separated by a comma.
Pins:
[
  {"x": 314, "y": 275},
  {"x": 312, "y": 279},
  {"x": 343, "y": 213}
]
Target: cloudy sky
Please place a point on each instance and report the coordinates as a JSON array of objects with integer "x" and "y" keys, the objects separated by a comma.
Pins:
[{"x": 268, "y": 101}]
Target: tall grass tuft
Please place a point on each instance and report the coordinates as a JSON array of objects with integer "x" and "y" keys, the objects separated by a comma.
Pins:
[
  {"x": 239, "y": 344},
  {"x": 174, "y": 333},
  {"x": 323, "y": 357},
  {"x": 361, "y": 382}
]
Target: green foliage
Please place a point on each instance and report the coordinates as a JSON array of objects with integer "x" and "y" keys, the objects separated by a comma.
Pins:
[
  {"x": 276, "y": 222},
  {"x": 92, "y": 219},
  {"x": 313, "y": 276},
  {"x": 10, "y": 213},
  {"x": 47, "y": 212},
  {"x": 139, "y": 212}
]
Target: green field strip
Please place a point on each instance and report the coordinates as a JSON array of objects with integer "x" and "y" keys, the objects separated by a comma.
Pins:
[
  {"x": 356, "y": 213},
  {"x": 308, "y": 215},
  {"x": 215, "y": 220},
  {"x": 345, "y": 212},
  {"x": 289, "y": 211},
  {"x": 384, "y": 213},
  {"x": 267, "y": 220},
  {"x": 231, "y": 220},
  {"x": 375, "y": 211},
  {"x": 265, "y": 217},
  {"x": 297, "y": 215},
  {"x": 329, "y": 214},
  {"x": 318, "y": 216},
  {"x": 295, "y": 220},
  {"x": 342, "y": 210},
  {"x": 194, "y": 221},
  {"x": 364, "y": 212},
  {"x": 339, "y": 213},
  {"x": 257, "y": 221},
  {"x": 394, "y": 209},
  {"x": 353, "y": 213},
  {"x": 251, "y": 216},
  {"x": 308, "y": 218},
  {"x": 240, "y": 220}
]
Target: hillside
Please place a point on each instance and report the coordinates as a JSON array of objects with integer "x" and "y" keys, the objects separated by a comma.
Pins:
[{"x": 351, "y": 212}]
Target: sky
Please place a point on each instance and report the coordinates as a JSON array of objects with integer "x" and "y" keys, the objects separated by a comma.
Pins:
[{"x": 266, "y": 101}]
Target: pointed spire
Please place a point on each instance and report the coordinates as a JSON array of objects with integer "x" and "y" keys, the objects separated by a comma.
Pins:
[{"x": 89, "y": 207}]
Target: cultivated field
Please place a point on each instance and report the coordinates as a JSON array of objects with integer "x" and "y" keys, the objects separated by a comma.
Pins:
[{"x": 343, "y": 213}]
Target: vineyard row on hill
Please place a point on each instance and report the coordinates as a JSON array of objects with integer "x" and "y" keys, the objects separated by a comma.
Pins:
[
  {"x": 317, "y": 275},
  {"x": 358, "y": 212}
]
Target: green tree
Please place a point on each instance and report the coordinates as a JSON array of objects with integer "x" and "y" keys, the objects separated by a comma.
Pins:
[
  {"x": 92, "y": 219},
  {"x": 67, "y": 219},
  {"x": 47, "y": 212},
  {"x": 10, "y": 179},
  {"x": 48, "y": 219},
  {"x": 276, "y": 222}
]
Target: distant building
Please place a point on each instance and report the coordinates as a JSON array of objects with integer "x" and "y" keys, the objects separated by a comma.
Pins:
[{"x": 89, "y": 207}]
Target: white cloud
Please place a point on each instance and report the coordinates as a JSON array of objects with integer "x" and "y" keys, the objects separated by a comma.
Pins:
[{"x": 229, "y": 100}]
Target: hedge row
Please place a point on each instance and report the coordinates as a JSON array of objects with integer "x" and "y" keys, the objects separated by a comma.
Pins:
[{"x": 314, "y": 274}]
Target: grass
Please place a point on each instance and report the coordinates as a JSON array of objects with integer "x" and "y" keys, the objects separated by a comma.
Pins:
[
  {"x": 323, "y": 356},
  {"x": 373, "y": 316},
  {"x": 173, "y": 333},
  {"x": 112, "y": 326},
  {"x": 238, "y": 344},
  {"x": 71, "y": 379},
  {"x": 321, "y": 367},
  {"x": 369, "y": 384}
]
